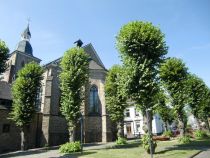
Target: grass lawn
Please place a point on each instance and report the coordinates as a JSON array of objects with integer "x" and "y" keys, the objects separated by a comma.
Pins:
[{"x": 166, "y": 149}]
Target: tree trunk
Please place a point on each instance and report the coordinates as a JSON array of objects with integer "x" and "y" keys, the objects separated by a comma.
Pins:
[
  {"x": 166, "y": 125},
  {"x": 149, "y": 124},
  {"x": 72, "y": 134},
  {"x": 198, "y": 123},
  {"x": 207, "y": 124},
  {"x": 24, "y": 138},
  {"x": 181, "y": 127},
  {"x": 120, "y": 129}
]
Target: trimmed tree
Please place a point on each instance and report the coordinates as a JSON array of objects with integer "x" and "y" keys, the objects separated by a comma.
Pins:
[
  {"x": 142, "y": 48},
  {"x": 73, "y": 77},
  {"x": 197, "y": 95},
  {"x": 163, "y": 110},
  {"x": 4, "y": 53},
  {"x": 24, "y": 91},
  {"x": 173, "y": 74},
  {"x": 115, "y": 98},
  {"x": 204, "y": 109}
]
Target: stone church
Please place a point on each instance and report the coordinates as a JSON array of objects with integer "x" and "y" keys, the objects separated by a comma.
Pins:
[{"x": 49, "y": 126}]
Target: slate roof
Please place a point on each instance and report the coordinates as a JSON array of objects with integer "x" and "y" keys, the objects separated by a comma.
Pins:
[
  {"x": 26, "y": 33},
  {"x": 89, "y": 50},
  {"x": 24, "y": 46}
]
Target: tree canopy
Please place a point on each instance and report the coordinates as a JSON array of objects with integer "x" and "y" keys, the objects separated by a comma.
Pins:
[
  {"x": 115, "y": 98},
  {"x": 24, "y": 91},
  {"x": 173, "y": 74},
  {"x": 4, "y": 54},
  {"x": 197, "y": 93},
  {"x": 73, "y": 77},
  {"x": 142, "y": 48}
]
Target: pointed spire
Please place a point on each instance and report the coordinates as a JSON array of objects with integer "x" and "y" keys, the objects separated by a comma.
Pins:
[
  {"x": 26, "y": 35},
  {"x": 24, "y": 45}
]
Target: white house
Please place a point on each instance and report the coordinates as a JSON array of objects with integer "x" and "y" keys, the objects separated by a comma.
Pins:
[{"x": 133, "y": 123}]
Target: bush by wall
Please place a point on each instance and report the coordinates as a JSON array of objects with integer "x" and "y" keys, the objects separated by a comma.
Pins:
[{"x": 70, "y": 147}]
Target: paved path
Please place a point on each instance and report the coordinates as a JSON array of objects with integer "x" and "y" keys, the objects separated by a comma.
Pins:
[
  {"x": 52, "y": 153},
  {"x": 203, "y": 154}
]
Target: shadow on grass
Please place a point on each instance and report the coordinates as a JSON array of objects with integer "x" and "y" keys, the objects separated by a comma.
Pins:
[
  {"x": 125, "y": 146},
  {"x": 193, "y": 145},
  {"x": 75, "y": 155},
  {"x": 24, "y": 153}
]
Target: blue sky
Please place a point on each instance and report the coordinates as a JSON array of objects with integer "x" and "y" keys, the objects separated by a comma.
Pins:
[{"x": 55, "y": 25}]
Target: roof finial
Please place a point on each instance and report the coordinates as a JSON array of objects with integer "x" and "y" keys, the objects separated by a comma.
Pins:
[
  {"x": 79, "y": 43},
  {"x": 28, "y": 20}
]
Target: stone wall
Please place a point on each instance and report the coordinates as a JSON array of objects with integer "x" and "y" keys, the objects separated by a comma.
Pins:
[
  {"x": 97, "y": 128},
  {"x": 16, "y": 62},
  {"x": 54, "y": 126},
  {"x": 11, "y": 140}
]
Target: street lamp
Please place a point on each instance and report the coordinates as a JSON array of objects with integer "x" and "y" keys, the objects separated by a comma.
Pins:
[{"x": 149, "y": 131}]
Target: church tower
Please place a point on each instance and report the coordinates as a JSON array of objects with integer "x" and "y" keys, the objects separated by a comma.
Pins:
[{"x": 22, "y": 55}]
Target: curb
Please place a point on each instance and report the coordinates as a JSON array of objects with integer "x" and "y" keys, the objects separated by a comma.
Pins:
[{"x": 195, "y": 154}]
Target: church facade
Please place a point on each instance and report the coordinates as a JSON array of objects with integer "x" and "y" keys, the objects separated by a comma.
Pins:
[{"x": 49, "y": 126}]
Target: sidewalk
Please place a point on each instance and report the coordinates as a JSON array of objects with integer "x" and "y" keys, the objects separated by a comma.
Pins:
[
  {"x": 203, "y": 154},
  {"x": 52, "y": 152}
]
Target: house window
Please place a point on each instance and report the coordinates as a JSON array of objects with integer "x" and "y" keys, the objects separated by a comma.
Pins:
[
  {"x": 127, "y": 113},
  {"x": 136, "y": 113},
  {"x": 137, "y": 126},
  {"x": 6, "y": 128},
  {"x": 94, "y": 100}
]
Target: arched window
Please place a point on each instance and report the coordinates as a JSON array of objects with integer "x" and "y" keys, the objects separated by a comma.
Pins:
[
  {"x": 38, "y": 101},
  {"x": 94, "y": 101}
]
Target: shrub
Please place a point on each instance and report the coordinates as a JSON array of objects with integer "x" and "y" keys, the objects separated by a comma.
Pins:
[
  {"x": 199, "y": 134},
  {"x": 121, "y": 141},
  {"x": 146, "y": 145},
  {"x": 184, "y": 140},
  {"x": 70, "y": 147},
  {"x": 168, "y": 134}
]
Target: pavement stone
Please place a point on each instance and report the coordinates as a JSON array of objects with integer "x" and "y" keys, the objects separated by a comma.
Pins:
[
  {"x": 203, "y": 154},
  {"x": 52, "y": 152}
]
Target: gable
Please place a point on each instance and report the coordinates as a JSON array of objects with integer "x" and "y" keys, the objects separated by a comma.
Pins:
[
  {"x": 95, "y": 62},
  {"x": 94, "y": 56},
  {"x": 94, "y": 65}
]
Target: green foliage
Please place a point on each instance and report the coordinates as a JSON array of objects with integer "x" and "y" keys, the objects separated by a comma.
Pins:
[
  {"x": 121, "y": 141},
  {"x": 166, "y": 113},
  {"x": 70, "y": 147},
  {"x": 173, "y": 74},
  {"x": 24, "y": 91},
  {"x": 141, "y": 40},
  {"x": 204, "y": 109},
  {"x": 115, "y": 99},
  {"x": 73, "y": 77},
  {"x": 184, "y": 140},
  {"x": 4, "y": 54},
  {"x": 168, "y": 133},
  {"x": 197, "y": 94},
  {"x": 142, "y": 49},
  {"x": 200, "y": 134},
  {"x": 146, "y": 142}
]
